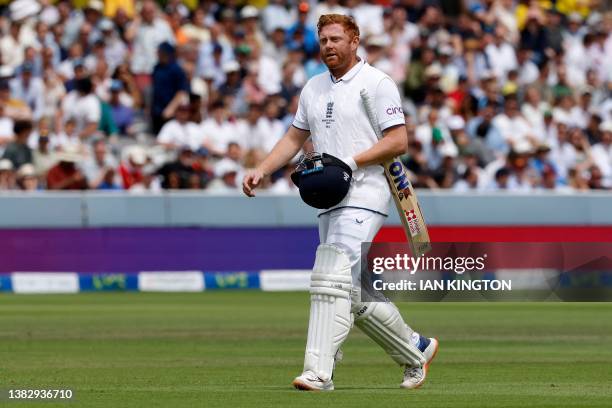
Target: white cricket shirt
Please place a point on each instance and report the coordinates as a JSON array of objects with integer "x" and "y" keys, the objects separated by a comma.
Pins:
[{"x": 332, "y": 111}]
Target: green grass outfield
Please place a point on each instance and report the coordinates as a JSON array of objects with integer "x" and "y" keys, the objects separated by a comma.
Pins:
[{"x": 243, "y": 349}]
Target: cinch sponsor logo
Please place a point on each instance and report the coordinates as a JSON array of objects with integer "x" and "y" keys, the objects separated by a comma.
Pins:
[
  {"x": 400, "y": 179},
  {"x": 395, "y": 110}
]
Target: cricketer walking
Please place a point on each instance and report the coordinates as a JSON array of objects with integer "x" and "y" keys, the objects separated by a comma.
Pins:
[{"x": 347, "y": 183}]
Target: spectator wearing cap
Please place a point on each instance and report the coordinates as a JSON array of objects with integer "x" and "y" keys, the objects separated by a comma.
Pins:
[
  {"x": 27, "y": 179},
  {"x": 21, "y": 32},
  {"x": 122, "y": 114},
  {"x": 18, "y": 151},
  {"x": 302, "y": 34},
  {"x": 377, "y": 51},
  {"x": 83, "y": 106},
  {"x": 522, "y": 176},
  {"x": 277, "y": 14},
  {"x": 100, "y": 168},
  {"x": 43, "y": 158},
  {"x": 180, "y": 131},
  {"x": 446, "y": 174},
  {"x": 449, "y": 76},
  {"x": 131, "y": 169},
  {"x": 170, "y": 86},
  {"x": 66, "y": 175},
  {"x": 73, "y": 66},
  {"x": 7, "y": 176},
  {"x": 249, "y": 19},
  {"x": 601, "y": 152},
  {"x": 203, "y": 167},
  {"x": 147, "y": 33},
  {"x": 232, "y": 83},
  {"x": 115, "y": 50},
  {"x": 226, "y": 181}
]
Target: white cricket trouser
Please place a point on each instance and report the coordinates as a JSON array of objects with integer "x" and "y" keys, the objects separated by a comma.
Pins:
[{"x": 349, "y": 228}]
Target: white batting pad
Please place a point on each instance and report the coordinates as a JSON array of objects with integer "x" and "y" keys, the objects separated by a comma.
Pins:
[
  {"x": 330, "y": 314},
  {"x": 384, "y": 324}
]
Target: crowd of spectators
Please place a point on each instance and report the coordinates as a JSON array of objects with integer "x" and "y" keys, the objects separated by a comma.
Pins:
[{"x": 143, "y": 95}]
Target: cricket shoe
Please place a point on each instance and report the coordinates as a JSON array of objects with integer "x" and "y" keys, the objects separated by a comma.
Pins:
[
  {"x": 414, "y": 377},
  {"x": 309, "y": 381}
]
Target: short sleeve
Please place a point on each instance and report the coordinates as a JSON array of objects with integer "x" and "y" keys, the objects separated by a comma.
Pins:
[
  {"x": 166, "y": 134},
  {"x": 388, "y": 104},
  {"x": 93, "y": 111},
  {"x": 300, "y": 120}
]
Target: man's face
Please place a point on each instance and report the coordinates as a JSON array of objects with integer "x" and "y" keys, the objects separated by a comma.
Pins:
[
  {"x": 100, "y": 151},
  {"x": 336, "y": 46}
]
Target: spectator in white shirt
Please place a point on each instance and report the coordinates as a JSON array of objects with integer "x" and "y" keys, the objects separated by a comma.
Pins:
[
  {"x": 251, "y": 130},
  {"x": 274, "y": 128},
  {"x": 83, "y": 106},
  {"x": 533, "y": 110},
  {"x": 602, "y": 152},
  {"x": 217, "y": 130},
  {"x": 148, "y": 32},
  {"x": 180, "y": 131},
  {"x": 512, "y": 125},
  {"x": 528, "y": 72},
  {"x": 277, "y": 13},
  {"x": 501, "y": 54}
]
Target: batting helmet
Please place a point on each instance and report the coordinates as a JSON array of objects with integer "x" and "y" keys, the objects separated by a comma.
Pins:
[{"x": 323, "y": 179}]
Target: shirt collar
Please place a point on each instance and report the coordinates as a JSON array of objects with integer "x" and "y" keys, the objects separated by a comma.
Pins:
[{"x": 351, "y": 73}]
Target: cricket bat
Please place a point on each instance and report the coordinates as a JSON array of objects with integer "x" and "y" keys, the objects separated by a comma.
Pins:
[{"x": 403, "y": 194}]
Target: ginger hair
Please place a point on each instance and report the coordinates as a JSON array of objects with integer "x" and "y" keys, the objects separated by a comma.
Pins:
[{"x": 350, "y": 27}]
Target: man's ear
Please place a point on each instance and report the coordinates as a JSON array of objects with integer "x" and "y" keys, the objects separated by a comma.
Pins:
[{"x": 355, "y": 43}]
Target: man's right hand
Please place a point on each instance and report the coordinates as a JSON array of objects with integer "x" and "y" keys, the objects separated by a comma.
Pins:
[{"x": 251, "y": 180}]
